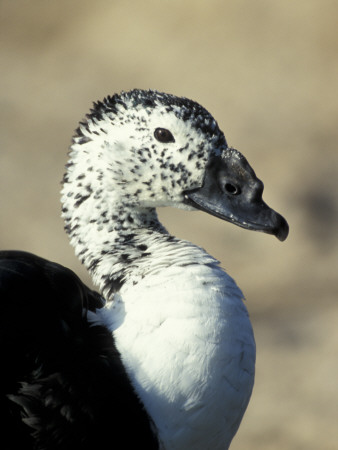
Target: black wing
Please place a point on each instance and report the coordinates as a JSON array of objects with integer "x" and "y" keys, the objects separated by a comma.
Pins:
[{"x": 63, "y": 385}]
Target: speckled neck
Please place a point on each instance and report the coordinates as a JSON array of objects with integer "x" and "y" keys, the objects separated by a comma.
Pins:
[{"x": 125, "y": 246}]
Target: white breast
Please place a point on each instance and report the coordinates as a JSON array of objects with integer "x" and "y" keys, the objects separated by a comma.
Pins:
[{"x": 188, "y": 346}]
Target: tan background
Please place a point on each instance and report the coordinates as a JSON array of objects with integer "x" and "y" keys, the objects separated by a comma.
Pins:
[{"x": 268, "y": 71}]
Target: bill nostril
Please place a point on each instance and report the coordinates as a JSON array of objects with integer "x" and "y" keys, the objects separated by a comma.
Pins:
[{"x": 232, "y": 189}]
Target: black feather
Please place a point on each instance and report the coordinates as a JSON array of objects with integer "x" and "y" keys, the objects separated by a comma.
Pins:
[{"x": 63, "y": 385}]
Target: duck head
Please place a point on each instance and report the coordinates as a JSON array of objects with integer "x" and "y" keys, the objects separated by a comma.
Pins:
[{"x": 140, "y": 149}]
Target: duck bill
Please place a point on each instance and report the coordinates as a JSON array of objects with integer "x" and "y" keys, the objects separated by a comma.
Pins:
[{"x": 232, "y": 192}]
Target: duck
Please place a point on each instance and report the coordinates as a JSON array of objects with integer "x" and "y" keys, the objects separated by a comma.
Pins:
[{"x": 163, "y": 355}]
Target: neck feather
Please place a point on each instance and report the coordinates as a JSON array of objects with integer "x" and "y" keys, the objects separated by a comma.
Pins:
[{"x": 124, "y": 245}]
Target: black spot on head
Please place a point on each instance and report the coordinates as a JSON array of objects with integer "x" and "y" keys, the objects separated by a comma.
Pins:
[
  {"x": 81, "y": 199},
  {"x": 84, "y": 140},
  {"x": 149, "y": 102},
  {"x": 142, "y": 247},
  {"x": 125, "y": 256},
  {"x": 143, "y": 255}
]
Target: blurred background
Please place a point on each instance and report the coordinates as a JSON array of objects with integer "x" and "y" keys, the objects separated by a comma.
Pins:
[{"x": 268, "y": 72}]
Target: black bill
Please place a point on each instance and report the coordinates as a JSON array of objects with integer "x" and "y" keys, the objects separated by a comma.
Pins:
[{"x": 232, "y": 192}]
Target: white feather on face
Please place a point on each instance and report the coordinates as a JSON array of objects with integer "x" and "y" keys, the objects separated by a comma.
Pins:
[{"x": 126, "y": 161}]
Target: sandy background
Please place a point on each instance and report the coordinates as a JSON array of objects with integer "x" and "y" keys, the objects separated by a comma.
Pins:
[{"x": 268, "y": 71}]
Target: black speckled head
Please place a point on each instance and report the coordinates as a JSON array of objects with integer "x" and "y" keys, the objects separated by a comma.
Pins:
[{"x": 143, "y": 147}]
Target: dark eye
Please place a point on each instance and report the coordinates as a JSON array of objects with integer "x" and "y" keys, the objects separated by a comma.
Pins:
[{"x": 163, "y": 135}]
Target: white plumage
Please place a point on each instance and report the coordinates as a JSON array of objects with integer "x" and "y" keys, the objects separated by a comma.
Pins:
[{"x": 188, "y": 346}]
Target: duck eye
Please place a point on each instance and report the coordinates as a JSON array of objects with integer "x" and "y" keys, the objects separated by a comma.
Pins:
[{"x": 163, "y": 135}]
